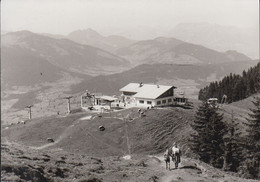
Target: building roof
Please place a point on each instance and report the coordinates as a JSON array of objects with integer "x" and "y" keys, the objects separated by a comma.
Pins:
[
  {"x": 131, "y": 87},
  {"x": 105, "y": 97},
  {"x": 149, "y": 91}
]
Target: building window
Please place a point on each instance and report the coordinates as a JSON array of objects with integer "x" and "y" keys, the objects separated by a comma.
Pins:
[
  {"x": 169, "y": 100},
  {"x": 149, "y": 102},
  {"x": 158, "y": 102},
  {"x": 164, "y": 101},
  {"x": 141, "y": 101}
]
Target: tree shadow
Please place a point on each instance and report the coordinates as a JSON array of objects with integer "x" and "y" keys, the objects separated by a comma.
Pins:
[{"x": 191, "y": 167}]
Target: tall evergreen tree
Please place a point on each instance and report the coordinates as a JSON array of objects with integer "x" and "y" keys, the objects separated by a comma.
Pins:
[
  {"x": 217, "y": 130},
  {"x": 233, "y": 147},
  {"x": 199, "y": 139},
  {"x": 253, "y": 141},
  {"x": 207, "y": 141}
]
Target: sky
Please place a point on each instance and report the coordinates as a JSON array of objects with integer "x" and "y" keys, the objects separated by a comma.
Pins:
[{"x": 131, "y": 18}]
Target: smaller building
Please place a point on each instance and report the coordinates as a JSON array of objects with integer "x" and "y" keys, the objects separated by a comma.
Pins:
[
  {"x": 96, "y": 101},
  {"x": 104, "y": 100}
]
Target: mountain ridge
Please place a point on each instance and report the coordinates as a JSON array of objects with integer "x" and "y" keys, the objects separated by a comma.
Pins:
[
  {"x": 93, "y": 38},
  {"x": 172, "y": 50},
  {"x": 64, "y": 54},
  {"x": 219, "y": 37}
]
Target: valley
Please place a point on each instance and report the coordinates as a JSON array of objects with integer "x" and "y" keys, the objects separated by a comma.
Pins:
[
  {"x": 39, "y": 70},
  {"x": 47, "y": 99}
]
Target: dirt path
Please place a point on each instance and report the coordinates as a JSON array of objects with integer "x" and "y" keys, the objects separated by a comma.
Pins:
[
  {"x": 187, "y": 171},
  {"x": 191, "y": 170}
]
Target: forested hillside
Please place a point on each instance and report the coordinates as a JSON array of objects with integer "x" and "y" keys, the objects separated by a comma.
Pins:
[
  {"x": 234, "y": 86},
  {"x": 222, "y": 143},
  {"x": 238, "y": 152}
]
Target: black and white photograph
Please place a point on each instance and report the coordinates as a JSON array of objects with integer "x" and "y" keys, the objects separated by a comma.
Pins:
[{"x": 130, "y": 91}]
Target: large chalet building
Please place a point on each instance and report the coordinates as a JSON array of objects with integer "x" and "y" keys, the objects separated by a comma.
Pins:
[{"x": 147, "y": 95}]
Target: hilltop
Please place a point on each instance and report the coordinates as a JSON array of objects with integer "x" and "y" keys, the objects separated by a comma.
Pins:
[
  {"x": 81, "y": 151},
  {"x": 150, "y": 134}
]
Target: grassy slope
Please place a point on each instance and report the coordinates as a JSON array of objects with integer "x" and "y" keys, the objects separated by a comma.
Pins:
[
  {"x": 240, "y": 110},
  {"x": 126, "y": 132},
  {"x": 149, "y": 134},
  {"x": 20, "y": 164},
  {"x": 81, "y": 151}
]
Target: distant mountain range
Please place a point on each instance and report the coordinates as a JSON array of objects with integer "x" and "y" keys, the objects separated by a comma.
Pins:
[
  {"x": 91, "y": 37},
  {"x": 41, "y": 69},
  {"x": 218, "y": 37},
  {"x": 26, "y": 55},
  {"x": 174, "y": 51},
  {"x": 213, "y": 36}
]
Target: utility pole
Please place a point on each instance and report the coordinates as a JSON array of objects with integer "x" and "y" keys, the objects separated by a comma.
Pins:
[
  {"x": 81, "y": 100},
  {"x": 30, "y": 111},
  {"x": 127, "y": 136},
  {"x": 68, "y": 101}
]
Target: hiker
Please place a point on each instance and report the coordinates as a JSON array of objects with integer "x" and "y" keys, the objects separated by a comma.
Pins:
[
  {"x": 176, "y": 154},
  {"x": 167, "y": 159}
]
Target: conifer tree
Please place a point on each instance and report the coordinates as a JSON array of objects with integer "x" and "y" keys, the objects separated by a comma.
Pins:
[
  {"x": 233, "y": 147},
  {"x": 253, "y": 141},
  {"x": 199, "y": 139},
  {"x": 217, "y": 129},
  {"x": 207, "y": 141}
]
